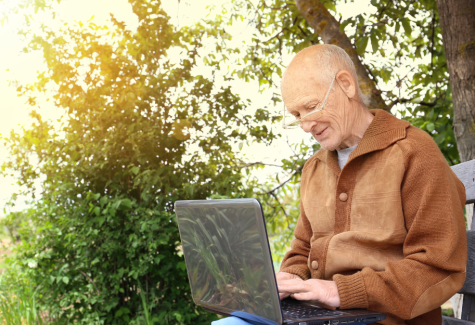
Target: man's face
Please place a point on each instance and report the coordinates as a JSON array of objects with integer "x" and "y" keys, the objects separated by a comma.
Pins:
[{"x": 303, "y": 93}]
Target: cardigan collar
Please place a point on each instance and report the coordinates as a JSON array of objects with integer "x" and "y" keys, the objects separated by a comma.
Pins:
[{"x": 384, "y": 130}]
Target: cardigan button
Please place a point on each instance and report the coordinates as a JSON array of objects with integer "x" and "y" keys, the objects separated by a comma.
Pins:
[
  {"x": 315, "y": 265},
  {"x": 343, "y": 197}
]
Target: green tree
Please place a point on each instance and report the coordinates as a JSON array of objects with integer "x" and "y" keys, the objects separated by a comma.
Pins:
[{"x": 140, "y": 131}]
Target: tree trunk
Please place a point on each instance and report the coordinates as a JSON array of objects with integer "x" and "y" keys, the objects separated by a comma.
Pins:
[
  {"x": 328, "y": 28},
  {"x": 457, "y": 21}
]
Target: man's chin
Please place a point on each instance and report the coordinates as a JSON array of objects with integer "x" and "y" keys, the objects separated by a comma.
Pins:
[{"x": 327, "y": 145}]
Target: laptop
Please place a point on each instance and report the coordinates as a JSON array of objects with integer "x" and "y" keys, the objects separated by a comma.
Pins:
[{"x": 230, "y": 267}]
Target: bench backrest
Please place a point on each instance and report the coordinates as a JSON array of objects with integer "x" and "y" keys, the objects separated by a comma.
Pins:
[{"x": 466, "y": 173}]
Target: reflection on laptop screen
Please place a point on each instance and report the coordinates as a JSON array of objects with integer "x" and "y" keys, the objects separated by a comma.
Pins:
[{"x": 225, "y": 258}]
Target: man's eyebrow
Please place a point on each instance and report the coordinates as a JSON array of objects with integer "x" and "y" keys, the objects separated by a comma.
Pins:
[{"x": 312, "y": 101}]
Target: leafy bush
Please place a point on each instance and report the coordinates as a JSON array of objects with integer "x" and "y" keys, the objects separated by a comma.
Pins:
[
  {"x": 96, "y": 264},
  {"x": 139, "y": 133},
  {"x": 16, "y": 226}
]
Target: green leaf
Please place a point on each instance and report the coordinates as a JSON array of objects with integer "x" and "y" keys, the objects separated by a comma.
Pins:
[
  {"x": 103, "y": 201},
  {"x": 361, "y": 45},
  {"x": 330, "y": 5},
  {"x": 144, "y": 226},
  {"x": 177, "y": 316},
  {"x": 406, "y": 24},
  {"x": 440, "y": 138},
  {"x": 374, "y": 43},
  {"x": 430, "y": 127},
  {"x": 345, "y": 23},
  {"x": 181, "y": 265},
  {"x": 65, "y": 279},
  {"x": 126, "y": 204}
]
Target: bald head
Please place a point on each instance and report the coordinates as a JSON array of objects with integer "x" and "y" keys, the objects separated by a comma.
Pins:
[
  {"x": 317, "y": 65},
  {"x": 320, "y": 89}
]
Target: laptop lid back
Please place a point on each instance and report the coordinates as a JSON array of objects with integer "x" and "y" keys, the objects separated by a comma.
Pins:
[{"x": 228, "y": 258}]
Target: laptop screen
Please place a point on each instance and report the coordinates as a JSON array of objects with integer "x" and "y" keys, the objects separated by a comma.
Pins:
[{"x": 227, "y": 256}]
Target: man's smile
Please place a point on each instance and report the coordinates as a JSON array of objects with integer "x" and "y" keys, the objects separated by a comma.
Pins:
[{"x": 319, "y": 133}]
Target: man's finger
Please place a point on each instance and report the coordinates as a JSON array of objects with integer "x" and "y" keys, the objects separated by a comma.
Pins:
[
  {"x": 293, "y": 285},
  {"x": 303, "y": 296},
  {"x": 291, "y": 281}
]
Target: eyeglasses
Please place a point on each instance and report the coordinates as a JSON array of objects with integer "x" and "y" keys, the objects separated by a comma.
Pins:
[{"x": 312, "y": 116}]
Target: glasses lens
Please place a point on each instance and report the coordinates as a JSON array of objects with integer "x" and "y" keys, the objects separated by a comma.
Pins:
[
  {"x": 292, "y": 125},
  {"x": 295, "y": 123}
]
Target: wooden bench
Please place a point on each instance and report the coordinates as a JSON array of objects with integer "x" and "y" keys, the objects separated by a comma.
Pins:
[{"x": 466, "y": 173}]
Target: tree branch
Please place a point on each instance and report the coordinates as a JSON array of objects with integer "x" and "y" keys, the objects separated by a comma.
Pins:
[
  {"x": 377, "y": 24},
  {"x": 278, "y": 203},
  {"x": 257, "y": 163},
  {"x": 405, "y": 100},
  {"x": 276, "y": 35},
  {"x": 301, "y": 30},
  {"x": 90, "y": 280},
  {"x": 283, "y": 29},
  {"x": 399, "y": 82},
  {"x": 281, "y": 8},
  {"x": 432, "y": 42},
  {"x": 372, "y": 76},
  {"x": 384, "y": 9},
  {"x": 328, "y": 28},
  {"x": 283, "y": 183},
  {"x": 279, "y": 186}
]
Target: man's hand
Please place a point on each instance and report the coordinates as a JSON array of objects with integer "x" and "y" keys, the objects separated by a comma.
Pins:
[
  {"x": 282, "y": 276},
  {"x": 323, "y": 291}
]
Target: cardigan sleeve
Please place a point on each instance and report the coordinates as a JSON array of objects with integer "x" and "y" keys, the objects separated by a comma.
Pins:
[
  {"x": 295, "y": 260},
  {"x": 435, "y": 249}
]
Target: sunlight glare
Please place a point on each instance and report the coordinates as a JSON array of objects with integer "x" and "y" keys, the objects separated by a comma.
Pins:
[{"x": 5, "y": 7}]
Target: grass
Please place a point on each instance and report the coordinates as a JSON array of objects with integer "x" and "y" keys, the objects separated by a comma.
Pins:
[
  {"x": 6, "y": 247},
  {"x": 17, "y": 297},
  {"x": 17, "y": 302}
]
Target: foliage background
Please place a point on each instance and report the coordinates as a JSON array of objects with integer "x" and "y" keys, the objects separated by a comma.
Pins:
[{"x": 142, "y": 129}]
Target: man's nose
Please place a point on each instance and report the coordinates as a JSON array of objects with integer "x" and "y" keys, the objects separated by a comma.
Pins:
[{"x": 307, "y": 126}]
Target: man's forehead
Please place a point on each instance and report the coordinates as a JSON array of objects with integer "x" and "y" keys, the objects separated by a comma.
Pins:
[
  {"x": 302, "y": 67},
  {"x": 302, "y": 73},
  {"x": 300, "y": 79}
]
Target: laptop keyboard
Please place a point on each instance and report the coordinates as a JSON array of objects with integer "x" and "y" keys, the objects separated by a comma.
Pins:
[{"x": 299, "y": 311}]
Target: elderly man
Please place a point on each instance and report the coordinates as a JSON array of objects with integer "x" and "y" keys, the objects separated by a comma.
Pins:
[{"x": 381, "y": 221}]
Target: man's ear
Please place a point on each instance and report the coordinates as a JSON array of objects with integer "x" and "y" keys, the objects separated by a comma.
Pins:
[{"x": 347, "y": 83}]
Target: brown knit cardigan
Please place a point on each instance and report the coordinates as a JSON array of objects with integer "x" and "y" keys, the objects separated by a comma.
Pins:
[{"x": 388, "y": 228}]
